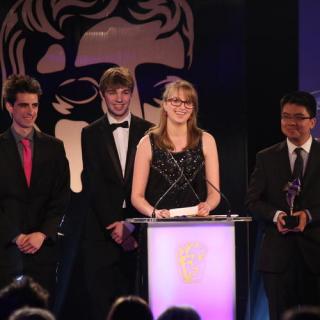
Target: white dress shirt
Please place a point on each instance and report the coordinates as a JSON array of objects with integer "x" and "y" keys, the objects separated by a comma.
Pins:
[
  {"x": 292, "y": 158},
  {"x": 304, "y": 153},
  {"x": 121, "y": 139}
]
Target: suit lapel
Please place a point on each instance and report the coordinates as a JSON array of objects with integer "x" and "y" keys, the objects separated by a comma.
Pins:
[
  {"x": 313, "y": 162},
  {"x": 134, "y": 138},
  {"x": 110, "y": 147},
  {"x": 11, "y": 153},
  {"x": 39, "y": 155},
  {"x": 283, "y": 161}
]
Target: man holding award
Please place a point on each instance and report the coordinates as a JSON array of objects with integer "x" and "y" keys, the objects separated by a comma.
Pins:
[{"x": 284, "y": 195}]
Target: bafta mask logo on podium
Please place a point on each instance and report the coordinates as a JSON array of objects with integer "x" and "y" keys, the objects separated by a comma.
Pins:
[{"x": 191, "y": 258}]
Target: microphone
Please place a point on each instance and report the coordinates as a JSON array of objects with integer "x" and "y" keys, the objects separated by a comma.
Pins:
[
  {"x": 229, "y": 210},
  {"x": 153, "y": 214}
]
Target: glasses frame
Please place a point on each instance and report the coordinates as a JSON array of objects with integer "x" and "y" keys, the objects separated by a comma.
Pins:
[
  {"x": 296, "y": 118},
  {"x": 177, "y": 102}
]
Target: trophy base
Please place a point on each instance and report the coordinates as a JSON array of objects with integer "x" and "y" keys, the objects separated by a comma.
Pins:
[{"x": 291, "y": 221}]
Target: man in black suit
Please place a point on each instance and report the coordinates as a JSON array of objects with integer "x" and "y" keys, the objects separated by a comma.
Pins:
[
  {"x": 108, "y": 148},
  {"x": 34, "y": 189},
  {"x": 290, "y": 255}
]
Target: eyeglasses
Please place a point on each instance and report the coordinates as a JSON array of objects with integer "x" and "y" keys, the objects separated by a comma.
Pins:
[
  {"x": 295, "y": 118},
  {"x": 176, "y": 102}
]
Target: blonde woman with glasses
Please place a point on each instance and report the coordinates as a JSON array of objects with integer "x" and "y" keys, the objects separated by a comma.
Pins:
[{"x": 176, "y": 163}]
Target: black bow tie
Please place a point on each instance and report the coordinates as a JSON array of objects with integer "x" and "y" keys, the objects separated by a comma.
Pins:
[{"x": 123, "y": 124}]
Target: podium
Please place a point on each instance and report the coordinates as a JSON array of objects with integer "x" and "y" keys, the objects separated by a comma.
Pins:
[{"x": 191, "y": 261}]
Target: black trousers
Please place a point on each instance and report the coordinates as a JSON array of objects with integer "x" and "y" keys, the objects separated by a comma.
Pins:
[
  {"x": 107, "y": 281},
  {"x": 296, "y": 286}
]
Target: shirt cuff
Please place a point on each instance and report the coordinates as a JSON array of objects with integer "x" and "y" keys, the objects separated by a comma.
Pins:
[
  {"x": 129, "y": 226},
  {"x": 275, "y": 217},
  {"x": 309, "y": 215}
]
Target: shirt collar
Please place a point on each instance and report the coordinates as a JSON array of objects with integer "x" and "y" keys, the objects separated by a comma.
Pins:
[
  {"x": 306, "y": 146},
  {"x": 18, "y": 137},
  {"x": 111, "y": 119}
]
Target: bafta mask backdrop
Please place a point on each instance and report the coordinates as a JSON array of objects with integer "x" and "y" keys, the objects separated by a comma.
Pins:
[{"x": 68, "y": 44}]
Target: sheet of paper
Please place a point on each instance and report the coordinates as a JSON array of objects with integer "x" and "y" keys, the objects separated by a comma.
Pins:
[{"x": 187, "y": 211}]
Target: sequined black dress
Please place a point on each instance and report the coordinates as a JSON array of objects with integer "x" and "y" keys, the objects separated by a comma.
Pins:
[{"x": 166, "y": 170}]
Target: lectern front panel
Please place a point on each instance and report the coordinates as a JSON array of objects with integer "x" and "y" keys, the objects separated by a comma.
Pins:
[{"x": 192, "y": 264}]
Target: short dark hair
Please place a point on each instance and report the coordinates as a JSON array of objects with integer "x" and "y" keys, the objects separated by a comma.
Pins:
[
  {"x": 301, "y": 98},
  {"x": 27, "y": 313},
  {"x": 116, "y": 77},
  {"x": 181, "y": 313},
  {"x": 18, "y": 83},
  {"x": 130, "y": 307},
  {"x": 23, "y": 291},
  {"x": 302, "y": 313}
]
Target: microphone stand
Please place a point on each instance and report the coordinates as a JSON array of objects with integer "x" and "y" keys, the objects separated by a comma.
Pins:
[
  {"x": 153, "y": 214},
  {"x": 229, "y": 211}
]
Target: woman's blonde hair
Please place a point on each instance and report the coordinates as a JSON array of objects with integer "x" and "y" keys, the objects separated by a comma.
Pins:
[{"x": 194, "y": 133}]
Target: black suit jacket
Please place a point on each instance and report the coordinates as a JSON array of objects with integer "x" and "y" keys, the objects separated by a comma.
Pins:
[
  {"x": 102, "y": 178},
  {"x": 38, "y": 208},
  {"x": 266, "y": 195}
]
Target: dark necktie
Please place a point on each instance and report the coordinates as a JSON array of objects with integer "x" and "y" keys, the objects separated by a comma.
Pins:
[
  {"x": 123, "y": 124},
  {"x": 298, "y": 165},
  {"x": 27, "y": 159}
]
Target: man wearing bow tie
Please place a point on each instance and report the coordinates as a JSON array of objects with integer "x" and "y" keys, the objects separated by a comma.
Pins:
[
  {"x": 108, "y": 148},
  {"x": 289, "y": 255}
]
